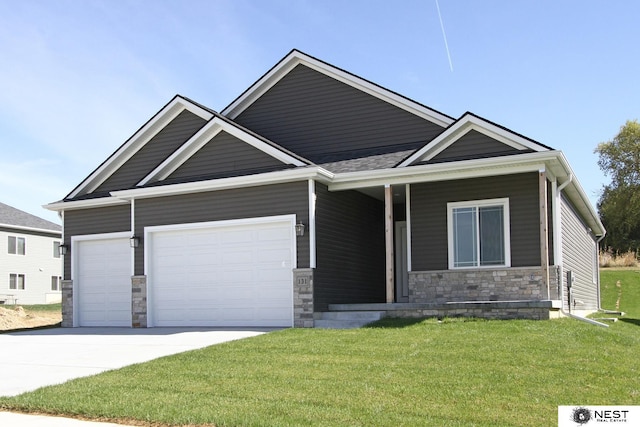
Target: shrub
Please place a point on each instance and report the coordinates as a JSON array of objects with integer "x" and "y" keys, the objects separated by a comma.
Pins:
[{"x": 610, "y": 259}]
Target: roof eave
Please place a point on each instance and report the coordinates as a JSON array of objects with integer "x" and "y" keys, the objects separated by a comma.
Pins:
[
  {"x": 84, "y": 204},
  {"x": 268, "y": 178},
  {"x": 33, "y": 229}
]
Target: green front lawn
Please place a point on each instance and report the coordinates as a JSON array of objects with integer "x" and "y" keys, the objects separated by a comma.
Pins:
[
  {"x": 54, "y": 308},
  {"x": 427, "y": 373}
]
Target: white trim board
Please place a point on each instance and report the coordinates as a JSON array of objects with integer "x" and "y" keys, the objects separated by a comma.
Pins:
[
  {"x": 296, "y": 57},
  {"x": 204, "y": 136},
  {"x": 289, "y": 175},
  {"x": 137, "y": 141},
  {"x": 463, "y": 126}
]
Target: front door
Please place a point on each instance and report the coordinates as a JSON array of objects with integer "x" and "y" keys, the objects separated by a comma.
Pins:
[{"x": 402, "y": 274}]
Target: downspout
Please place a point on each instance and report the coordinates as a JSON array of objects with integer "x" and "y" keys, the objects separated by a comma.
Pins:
[{"x": 561, "y": 274}]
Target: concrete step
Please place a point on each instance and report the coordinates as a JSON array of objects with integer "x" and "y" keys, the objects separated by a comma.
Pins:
[{"x": 347, "y": 319}]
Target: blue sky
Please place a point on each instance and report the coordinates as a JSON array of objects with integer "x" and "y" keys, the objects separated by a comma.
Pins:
[{"x": 77, "y": 78}]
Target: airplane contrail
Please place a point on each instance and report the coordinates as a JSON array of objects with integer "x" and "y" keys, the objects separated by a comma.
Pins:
[{"x": 444, "y": 35}]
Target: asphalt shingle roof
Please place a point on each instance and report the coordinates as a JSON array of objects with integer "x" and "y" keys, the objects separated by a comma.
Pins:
[
  {"x": 378, "y": 161},
  {"x": 12, "y": 216}
]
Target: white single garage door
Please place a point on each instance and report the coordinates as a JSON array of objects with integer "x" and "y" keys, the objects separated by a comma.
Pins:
[
  {"x": 103, "y": 282},
  {"x": 231, "y": 273}
]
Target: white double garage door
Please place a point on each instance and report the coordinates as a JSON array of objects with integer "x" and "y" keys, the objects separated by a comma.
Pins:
[{"x": 219, "y": 274}]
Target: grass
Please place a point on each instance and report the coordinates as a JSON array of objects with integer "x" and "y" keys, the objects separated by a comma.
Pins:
[
  {"x": 620, "y": 291},
  {"x": 396, "y": 373},
  {"x": 42, "y": 307}
]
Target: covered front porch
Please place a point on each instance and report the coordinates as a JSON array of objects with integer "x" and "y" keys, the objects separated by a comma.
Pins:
[{"x": 419, "y": 278}]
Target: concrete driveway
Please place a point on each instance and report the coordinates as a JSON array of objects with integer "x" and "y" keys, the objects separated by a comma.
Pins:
[{"x": 33, "y": 359}]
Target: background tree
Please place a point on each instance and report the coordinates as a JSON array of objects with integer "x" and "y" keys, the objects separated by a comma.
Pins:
[{"x": 619, "y": 203}]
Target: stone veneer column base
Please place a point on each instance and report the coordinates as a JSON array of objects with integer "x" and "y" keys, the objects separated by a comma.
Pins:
[
  {"x": 139, "y": 301},
  {"x": 303, "y": 298},
  {"x": 67, "y": 303}
]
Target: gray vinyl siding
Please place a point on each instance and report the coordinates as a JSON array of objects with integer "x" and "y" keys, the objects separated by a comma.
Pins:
[
  {"x": 224, "y": 154},
  {"x": 111, "y": 219},
  {"x": 579, "y": 251},
  {"x": 281, "y": 199},
  {"x": 314, "y": 115},
  {"x": 429, "y": 239},
  {"x": 474, "y": 145},
  {"x": 350, "y": 248},
  {"x": 154, "y": 152}
]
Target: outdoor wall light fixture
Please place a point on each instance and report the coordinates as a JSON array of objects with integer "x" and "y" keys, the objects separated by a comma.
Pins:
[
  {"x": 299, "y": 229},
  {"x": 134, "y": 241},
  {"x": 62, "y": 249}
]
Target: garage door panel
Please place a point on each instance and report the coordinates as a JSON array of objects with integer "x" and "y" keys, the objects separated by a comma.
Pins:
[
  {"x": 103, "y": 280},
  {"x": 238, "y": 275},
  {"x": 273, "y": 255},
  {"x": 234, "y": 236}
]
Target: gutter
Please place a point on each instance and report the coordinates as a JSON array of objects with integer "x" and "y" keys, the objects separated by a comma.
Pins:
[{"x": 560, "y": 276}]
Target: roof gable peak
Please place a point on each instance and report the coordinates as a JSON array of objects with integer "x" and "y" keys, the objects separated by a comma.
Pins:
[
  {"x": 296, "y": 57},
  {"x": 143, "y": 135},
  {"x": 205, "y": 135},
  {"x": 466, "y": 123}
]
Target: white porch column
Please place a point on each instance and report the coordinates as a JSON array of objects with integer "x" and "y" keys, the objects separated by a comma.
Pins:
[{"x": 389, "y": 242}]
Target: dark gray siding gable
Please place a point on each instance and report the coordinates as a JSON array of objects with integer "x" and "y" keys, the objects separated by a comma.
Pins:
[
  {"x": 251, "y": 202},
  {"x": 153, "y": 152},
  {"x": 111, "y": 219},
  {"x": 474, "y": 145},
  {"x": 429, "y": 241},
  {"x": 350, "y": 248},
  {"x": 225, "y": 154},
  {"x": 325, "y": 120},
  {"x": 579, "y": 255}
]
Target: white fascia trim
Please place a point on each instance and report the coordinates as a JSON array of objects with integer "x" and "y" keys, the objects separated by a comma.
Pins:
[
  {"x": 37, "y": 230},
  {"x": 279, "y": 177},
  {"x": 296, "y": 57},
  {"x": 530, "y": 162},
  {"x": 201, "y": 138},
  {"x": 85, "y": 204},
  {"x": 138, "y": 140},
  {"x": 461, "y": 128}
]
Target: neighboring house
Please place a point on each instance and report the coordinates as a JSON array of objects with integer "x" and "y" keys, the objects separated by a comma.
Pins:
[
  {"x": 318, "y": 190},
  {"x": 30, "y": 263}
]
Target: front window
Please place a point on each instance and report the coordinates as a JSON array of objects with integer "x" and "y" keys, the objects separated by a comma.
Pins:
[
  {"x": 479, "y": 233},
  {"x": 17, "y": 245},
  {"x": 16, "y": 281}
]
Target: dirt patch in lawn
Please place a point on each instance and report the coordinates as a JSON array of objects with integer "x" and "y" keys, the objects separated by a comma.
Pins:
[{"x": 19, "y": 318}]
